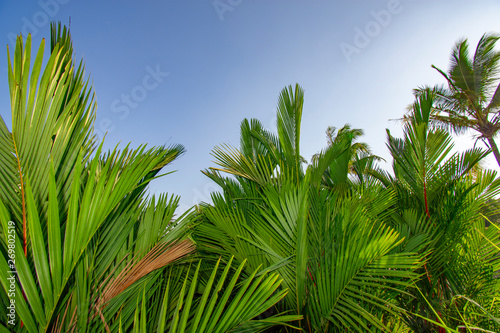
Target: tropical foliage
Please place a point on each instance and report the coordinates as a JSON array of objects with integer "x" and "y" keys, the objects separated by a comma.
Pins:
[
  {"x": 364, "y": 250},
  {"x": 332, "y": 248},
  {"x": 471, "y": 99},
  {"x": 440, "y": 197},
  {"x": 88, "y": 250},
  {"x": 336, "y": 245}
]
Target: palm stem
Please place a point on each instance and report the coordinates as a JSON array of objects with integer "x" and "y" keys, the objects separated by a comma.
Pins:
[{"x": 494, "y": 148}]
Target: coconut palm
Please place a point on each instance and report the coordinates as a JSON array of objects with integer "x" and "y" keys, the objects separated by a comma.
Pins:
[{"x": 471, "y": 99}]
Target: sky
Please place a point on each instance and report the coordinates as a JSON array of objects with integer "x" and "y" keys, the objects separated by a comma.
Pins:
[{"x": 188, "y": 72}]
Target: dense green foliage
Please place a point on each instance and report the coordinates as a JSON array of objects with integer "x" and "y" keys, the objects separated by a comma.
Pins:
[
  {"x": 334, "y": 245},
  {"x": 360, "y": 249},
  {"x": 92, "y": 252},
  {"x": 471, "y": 98}
]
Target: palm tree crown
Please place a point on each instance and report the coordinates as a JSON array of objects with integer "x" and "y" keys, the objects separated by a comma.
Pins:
[{"x": 471, "y": 99}]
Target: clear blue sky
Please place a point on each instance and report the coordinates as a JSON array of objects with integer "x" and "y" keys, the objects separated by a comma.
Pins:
[{"x": 192, "y": 70}]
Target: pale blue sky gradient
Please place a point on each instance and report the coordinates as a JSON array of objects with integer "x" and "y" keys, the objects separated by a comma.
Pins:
[{"x": 227, "y": 65}]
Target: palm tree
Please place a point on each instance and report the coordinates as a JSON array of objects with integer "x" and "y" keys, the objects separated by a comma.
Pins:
[
  {"x": 439, "y": 200},
  {"x": 471, "y": 99},
  {"x": 409, "y": 251},
  {"x": 90, "y": 252},
  {"x": 352, "y": 166},
  {"x": 334, "y": 252},
  {"x": 73, "y": 213}
]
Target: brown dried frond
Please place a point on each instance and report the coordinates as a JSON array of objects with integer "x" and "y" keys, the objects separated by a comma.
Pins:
[
  {"x": 159, "y": 256},
  {"x": 72, "y": 322},
  {"x": 59, "y": 324}
]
